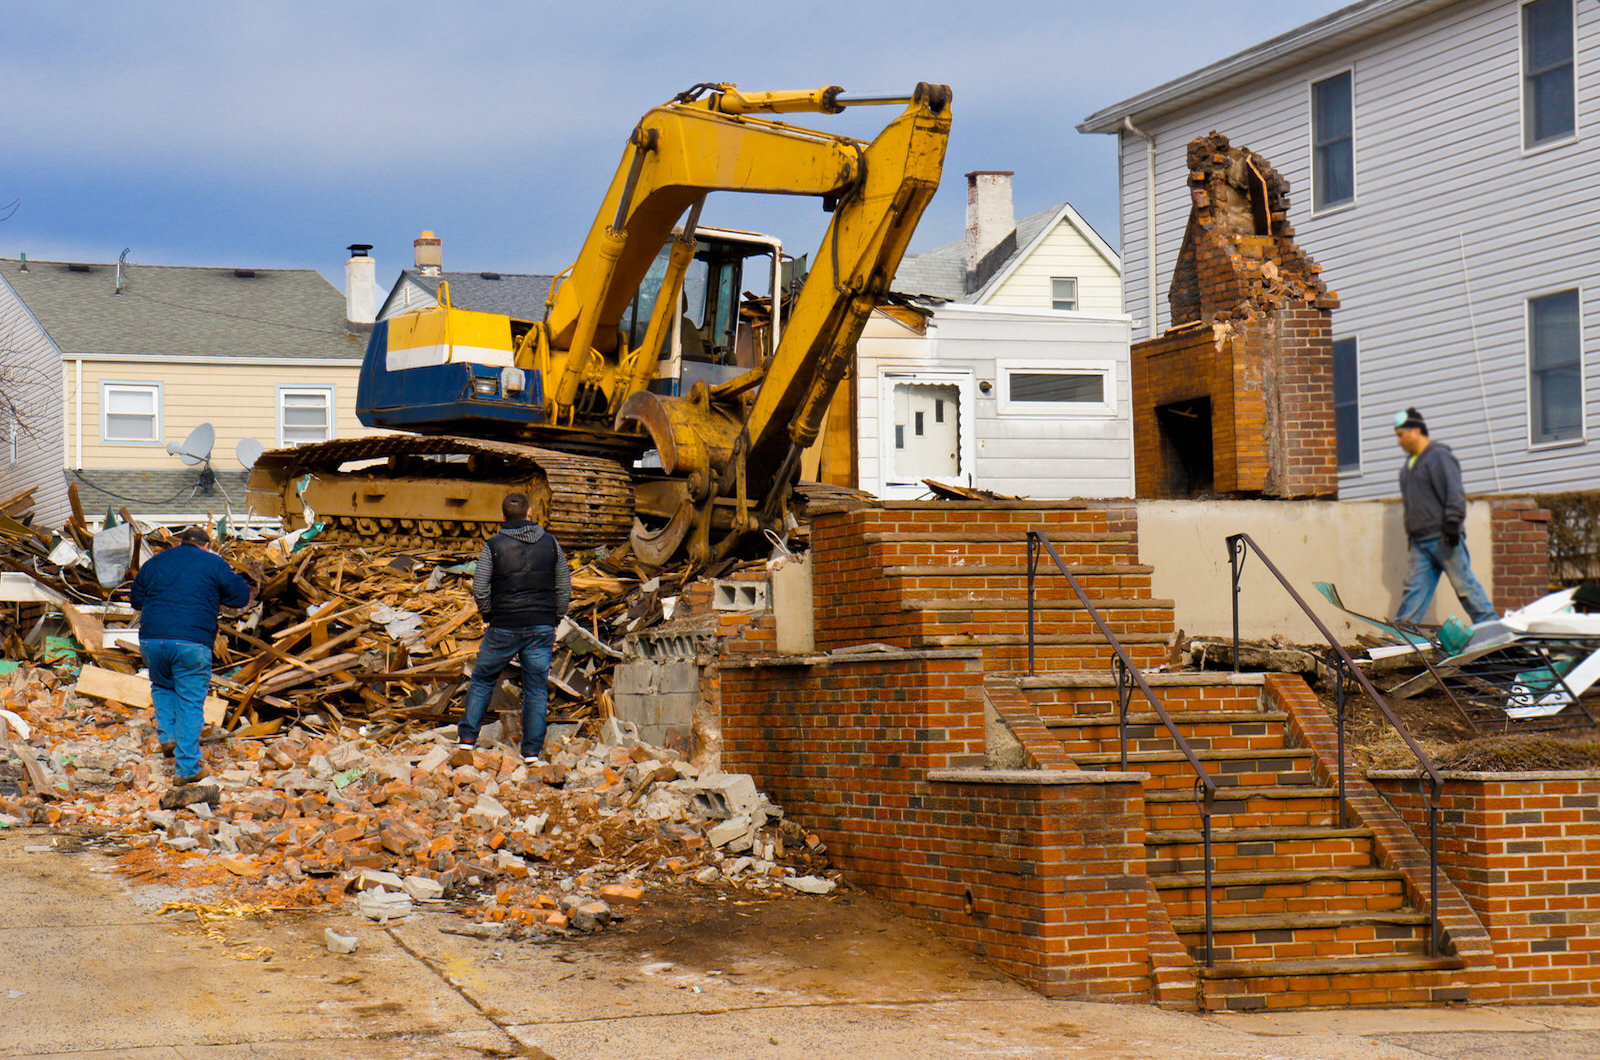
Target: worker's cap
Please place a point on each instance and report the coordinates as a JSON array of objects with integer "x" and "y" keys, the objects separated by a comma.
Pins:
[{"x": 1409, "y": 417}]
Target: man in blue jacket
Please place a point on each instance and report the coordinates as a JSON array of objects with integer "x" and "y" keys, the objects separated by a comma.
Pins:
[
  {"x": 522, "y": 586},
  {"x": 178, "y": 593},
  {"x": 1435, "y": 509}
]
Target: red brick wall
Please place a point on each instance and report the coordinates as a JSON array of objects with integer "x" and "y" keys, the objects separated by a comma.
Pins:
[
  {"x": 1525, "y": 850},
  {"x": 1040, "y": 873},
  {"x": 1270, "y": 383},
  {"x": 856, "y": 604},
  {"x": 1519, "y": 535}
]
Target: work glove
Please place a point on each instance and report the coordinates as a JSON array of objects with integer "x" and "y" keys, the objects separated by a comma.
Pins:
[{"x": 1452, "y": 533}]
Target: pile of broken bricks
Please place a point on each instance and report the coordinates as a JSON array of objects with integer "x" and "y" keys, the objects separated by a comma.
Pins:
[{"x": 307, "y": 818}]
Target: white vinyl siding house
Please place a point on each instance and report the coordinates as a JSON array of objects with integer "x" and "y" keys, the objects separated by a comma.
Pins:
[
  {"x": 30, "y": 372},
  {"x": 1012, "y": 400},
  {"x": 1458, "y": 224}
]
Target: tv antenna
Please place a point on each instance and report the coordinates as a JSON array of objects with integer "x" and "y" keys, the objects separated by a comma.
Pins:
[{"x": 196, "y": 449}]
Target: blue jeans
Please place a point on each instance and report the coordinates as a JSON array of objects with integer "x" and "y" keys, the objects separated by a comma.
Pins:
[
  {"x": 180, "y": 677},
  {"x": 1428, "y": 560},
  {"x": 532, "y": 644}
]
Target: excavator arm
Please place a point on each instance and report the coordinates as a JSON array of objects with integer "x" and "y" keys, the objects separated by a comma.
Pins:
[{"x": 720, "y": 443}]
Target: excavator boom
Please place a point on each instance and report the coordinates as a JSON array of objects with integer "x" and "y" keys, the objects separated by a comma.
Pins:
[{"x": 582, "y": 381}]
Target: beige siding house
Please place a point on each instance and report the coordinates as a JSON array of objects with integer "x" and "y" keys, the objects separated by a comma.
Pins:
[{"x": 148, "y": 356}]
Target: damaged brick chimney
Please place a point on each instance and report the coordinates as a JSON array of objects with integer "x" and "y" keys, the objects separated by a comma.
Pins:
[{"x": 1236, "y": 399}]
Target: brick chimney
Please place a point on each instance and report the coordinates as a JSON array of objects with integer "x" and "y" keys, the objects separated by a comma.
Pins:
[
  {"x": 360, "y": 288},
  {"x": 991, "y": 225},
  {"x": 430, "y": 253}
]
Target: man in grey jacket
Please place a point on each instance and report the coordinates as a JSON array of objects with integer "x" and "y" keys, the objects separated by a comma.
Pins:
[
  {"x": 1435, "y": 509},
  {"x": 522, "y": 588}
]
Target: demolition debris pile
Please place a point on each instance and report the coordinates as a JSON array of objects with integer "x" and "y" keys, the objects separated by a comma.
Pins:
[
  {"x": 334, "y": 768},
  {"x": 337, "y": 631},
  {"x": 303, "y": 818}
]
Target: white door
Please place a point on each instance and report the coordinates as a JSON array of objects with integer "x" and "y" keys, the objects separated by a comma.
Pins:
[{"x": 926, "y": 431}]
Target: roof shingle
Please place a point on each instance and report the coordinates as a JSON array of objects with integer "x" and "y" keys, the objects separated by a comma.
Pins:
[{"x": 185, "y": 311}]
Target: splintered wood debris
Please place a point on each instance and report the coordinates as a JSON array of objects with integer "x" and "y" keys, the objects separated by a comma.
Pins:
[{"x": 334, "y": 771}]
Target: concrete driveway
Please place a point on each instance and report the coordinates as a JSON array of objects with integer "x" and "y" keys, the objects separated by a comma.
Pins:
[{"x": 89, "y": 970}]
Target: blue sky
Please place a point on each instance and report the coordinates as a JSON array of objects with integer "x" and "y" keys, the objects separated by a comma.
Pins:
[{"x": 276, "y": 134}]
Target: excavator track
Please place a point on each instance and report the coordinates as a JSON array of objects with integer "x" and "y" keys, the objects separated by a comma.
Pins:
[{"x": 442, "y": 491}]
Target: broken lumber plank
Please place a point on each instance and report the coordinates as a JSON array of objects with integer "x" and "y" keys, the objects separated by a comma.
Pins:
[
  {"x": 134, "y": 691},
  {"x": 90, "y": 632},
  {"x": 449, "y": 627},
  {"x": 322, "y": 669}
]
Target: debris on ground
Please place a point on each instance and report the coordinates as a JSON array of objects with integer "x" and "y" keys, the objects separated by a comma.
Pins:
[
  {"x": 337, "y": 632},
  {"x": 307, "y": 818},
  {"x": 332, "y": 771},
  {"x": 1512, "y": 753}
]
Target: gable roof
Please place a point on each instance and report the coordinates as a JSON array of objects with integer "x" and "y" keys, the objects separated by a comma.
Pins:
[
  {"x": 513, "y": 294},
  {"x": 185, "y": 311},
  {"x": 1345, "y": 26},
  {"x": 942, "y": 271}
]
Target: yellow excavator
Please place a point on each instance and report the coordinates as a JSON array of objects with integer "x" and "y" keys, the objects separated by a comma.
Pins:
[{"x": 589, "y": 410}]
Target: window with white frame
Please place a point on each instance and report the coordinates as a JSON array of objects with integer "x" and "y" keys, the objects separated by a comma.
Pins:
[
  {"x": 1063, "y": 292},
  {"x": 1333, "y": 145},
  {"x": 1549, "y": 91},
  {"x": 1555, "y": 368},
  {"x": 305, "y": 414},
  {"x": 130, "y": 413},
  {"x": 1031, "y": 389},
  {"x": 1346, "y": 405}
]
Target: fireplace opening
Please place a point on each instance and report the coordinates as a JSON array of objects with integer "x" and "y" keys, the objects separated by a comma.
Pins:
[{"x": 1186, "y": 453}]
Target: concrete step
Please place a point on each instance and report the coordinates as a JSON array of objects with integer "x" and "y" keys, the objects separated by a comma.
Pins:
[
  {"x": 1388, "y": 981},
  {"x": 1283, "y": 892},
  {"x": 1064, "y": 697},
  {"x": 1259, "y": 849},
  {"x": 1008, "y": 605},
  {"x": 1190, "y": 925},
  {"x": 1146, "y": 732},
  {"x": 1295, "y": 806},
  {"x": 1281, "y": 767},
  {"x": 1341, "y": 936}
]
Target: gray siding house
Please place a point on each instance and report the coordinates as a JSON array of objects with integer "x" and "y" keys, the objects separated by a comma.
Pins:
[{"x": 1444, "y": 159}]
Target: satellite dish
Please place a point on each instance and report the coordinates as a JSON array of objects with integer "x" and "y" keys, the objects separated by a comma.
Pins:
[
  {"x": 196, "y": 449},
  {"x": 248, "y": 451}
]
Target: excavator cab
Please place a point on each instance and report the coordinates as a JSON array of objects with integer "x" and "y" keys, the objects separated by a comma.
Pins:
[{"x": 729, "y": 322}]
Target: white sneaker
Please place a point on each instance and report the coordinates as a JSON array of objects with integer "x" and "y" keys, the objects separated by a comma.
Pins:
[
  {"x": 466, "y": 747},
  {"x": 533, "y": 760}
]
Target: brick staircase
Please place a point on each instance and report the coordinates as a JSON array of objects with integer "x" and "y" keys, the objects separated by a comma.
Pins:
[
  {"x": 1306, "y": 913},
  {"x": 956, "y": 576}
]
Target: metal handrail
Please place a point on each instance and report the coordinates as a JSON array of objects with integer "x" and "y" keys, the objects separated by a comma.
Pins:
[
  {"x": 1127, "y": 675},
  {"x": 1431, "y": 784}
]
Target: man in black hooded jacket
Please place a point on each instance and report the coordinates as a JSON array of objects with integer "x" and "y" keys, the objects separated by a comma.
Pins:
[{"x": 522, "y": 588}]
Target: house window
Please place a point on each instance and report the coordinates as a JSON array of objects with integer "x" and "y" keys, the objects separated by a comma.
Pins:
[
  {"x": 1063, "y": 292},
  {"x": 1346, "y": 405},
  {"x": 305, "y": 414},
  {"x": 1555, "y": 368},
  {"x": 1548, "y": 91},
  {"x": 1028, "y": 388},
  {"x": 130, "y": 413},
  {"x": 1333, "y": 151}
]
